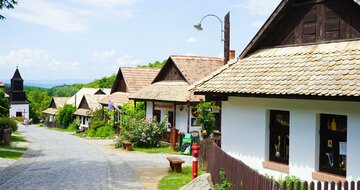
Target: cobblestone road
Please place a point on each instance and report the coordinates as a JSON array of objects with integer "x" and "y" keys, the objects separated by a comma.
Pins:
[{"x": 57, "y": 160}]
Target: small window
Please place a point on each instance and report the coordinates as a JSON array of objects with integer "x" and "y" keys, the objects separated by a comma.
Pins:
[
  {"x": 19, "y": 114},
  {"x": 279, "y": 136},
  {"x": 157, "y": 115},
  {"x": 333, "y": 138}
]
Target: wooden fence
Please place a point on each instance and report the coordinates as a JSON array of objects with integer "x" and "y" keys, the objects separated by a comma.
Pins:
[{"x": 242, "y": 177}]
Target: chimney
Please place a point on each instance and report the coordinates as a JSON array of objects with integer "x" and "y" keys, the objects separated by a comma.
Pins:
[
  {"x": 232, "y": 55},
  {"x": 226, "y": 37}
]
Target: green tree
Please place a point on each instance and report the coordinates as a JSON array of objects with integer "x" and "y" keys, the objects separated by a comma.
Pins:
[
  {"x": 65, "y": 116},
  {"x": 4, "y": 105},
  {"x": 156, "y": 64},
  {"x": 8, "y": 4},
  {"x": 39, "y": 101}
]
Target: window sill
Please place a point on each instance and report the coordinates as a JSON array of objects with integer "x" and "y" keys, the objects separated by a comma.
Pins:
[
  {"x": 276, "y": 166},
  {"x": 324, "y": 176}
]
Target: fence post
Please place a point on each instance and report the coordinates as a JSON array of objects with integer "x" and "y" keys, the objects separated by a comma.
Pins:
[{"x": 195, "y": 154}]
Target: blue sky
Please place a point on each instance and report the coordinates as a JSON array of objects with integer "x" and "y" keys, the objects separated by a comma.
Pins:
[{"x": 88, "y": 39}]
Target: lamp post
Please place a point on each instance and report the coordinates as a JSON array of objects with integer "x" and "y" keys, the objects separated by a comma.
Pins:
[
  {"x": 225, "y": 32},
  {"x": 200, "y": 28}
]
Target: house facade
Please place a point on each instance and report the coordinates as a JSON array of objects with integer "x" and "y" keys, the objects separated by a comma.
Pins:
[
  {"x": 88, "y": 104},
  {"x": 168, "y": 97},
  {"x": 129, "y": 80},
  {"x": 19, "y": 105},
  {"x": 290, "y": 103},
  {"x": 55, "y": 104}
]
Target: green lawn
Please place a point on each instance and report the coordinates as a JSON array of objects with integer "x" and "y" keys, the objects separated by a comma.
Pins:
[
  {"x": 62, "y": 130},
  {"x": 17, "y": 139},
  {"x": 10, "y": 155},
  {"x": 164, "y": 150},
  {"x": 14, "y": 148},
  {"x": 174, "y": 181}
]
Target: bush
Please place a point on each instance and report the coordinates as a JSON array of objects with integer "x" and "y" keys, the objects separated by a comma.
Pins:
[
  {"x": 143, "y": 133},
  {"x": 206, "y": 118},
  {"x": 65, "y": 115},
  {"x": 100, "y": 127},
  {"x": 4, "y": 105},
  {"x": 6, "y": 123},
  {"x": 225, "y": 184},
  {"x": 74, "y": 125}
]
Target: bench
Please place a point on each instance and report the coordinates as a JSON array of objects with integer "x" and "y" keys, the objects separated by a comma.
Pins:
[
  {"x": 127, "y": 145},
  {"x": 175, "y": 164}
]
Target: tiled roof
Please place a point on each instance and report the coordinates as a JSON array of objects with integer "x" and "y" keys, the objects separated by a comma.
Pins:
[
  {"x": 50, "y": 111},
  {"x": 79, "y": 95},
  {"x": 60, "y": 101},
  {"x": 2, "y": 84},
  {"x": 107, "y": 91},
  {"x": 93, "y": 102},
  {"x": 82, "y": 112},
  {"x": 137, "y": 78},
  {"x": 118, "y": 98},
  {"x": 172, "y": 91},
  {"x": 331, "y": 69},
  {"x": 194, "y": 68}
]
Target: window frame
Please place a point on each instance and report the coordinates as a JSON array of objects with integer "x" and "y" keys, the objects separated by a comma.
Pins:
[
  {"x": 283, "y": 130},
  {"x": 327, "y": 134}
]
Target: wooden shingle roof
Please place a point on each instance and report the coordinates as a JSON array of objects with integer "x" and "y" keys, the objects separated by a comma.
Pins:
[
  {"x": 137, "y": 78},
  {"x": 118, "y": 98},
  {"x": 172, "y": 91},
  {"x": 331, "y": 69},
  {"x": 60, "y": 101}
]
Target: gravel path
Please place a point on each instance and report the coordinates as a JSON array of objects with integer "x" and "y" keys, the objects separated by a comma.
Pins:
[{"x": 57, "y": 160}]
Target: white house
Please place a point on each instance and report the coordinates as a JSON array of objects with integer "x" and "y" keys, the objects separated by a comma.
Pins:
[
  {"x": 19, "y": 105},
  {"x": 168, "y": 97},
  {"x": 291, "y": 102},
  {"x": 88, "y": 104},
  {"x": 55, "y": 104}
]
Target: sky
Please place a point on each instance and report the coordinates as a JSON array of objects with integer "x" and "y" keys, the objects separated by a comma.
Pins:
[{"x": 90, "y": 39}]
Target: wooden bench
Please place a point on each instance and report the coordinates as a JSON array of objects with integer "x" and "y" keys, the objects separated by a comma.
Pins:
[
  {"x": 175, "y": 164},
  {"x": 127, "y": 145}
]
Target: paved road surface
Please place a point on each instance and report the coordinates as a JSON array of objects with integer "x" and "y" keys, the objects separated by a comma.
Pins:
[{"x": 56, "y": 160}]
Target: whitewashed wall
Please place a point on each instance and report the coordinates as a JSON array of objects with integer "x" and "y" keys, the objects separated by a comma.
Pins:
[
  {"x": 181, "y": 118},
  {"x": 149, "y": 109},
  {"x": 245, "y": 132},
  {"x": 19, "y": 108}
]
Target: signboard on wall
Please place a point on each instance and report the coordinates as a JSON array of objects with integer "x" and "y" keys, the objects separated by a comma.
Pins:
[{"x": 163, "y": 106}]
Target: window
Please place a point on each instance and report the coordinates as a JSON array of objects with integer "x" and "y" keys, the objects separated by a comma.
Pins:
[
  {"x": 333, "y": 138},
  {"x": 18, "y": 114},
  {"x": 157, "y": 115},
  {"x": 279, "y": 136}
]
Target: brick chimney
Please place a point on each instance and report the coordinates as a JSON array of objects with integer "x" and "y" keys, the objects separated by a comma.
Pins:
[{"x": 232, "y": 55}]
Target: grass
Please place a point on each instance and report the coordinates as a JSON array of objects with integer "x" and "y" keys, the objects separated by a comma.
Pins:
[
  {"x": 17, "y": 139},
  {"x": 14, "y": 148},
  {"x": 10, "y": 155},
  {"x": 62, "y": 129},
  {"x": 175, "y": 181},
  {"x": 164, "y": 150}
]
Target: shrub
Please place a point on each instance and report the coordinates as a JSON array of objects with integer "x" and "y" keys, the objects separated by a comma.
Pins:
[
  {"x": 101, "y": 127},
  {"x": 74, "y": 125},
  {"x": 206, "y": 118},
  {"x": 225, "y": 184},
  {"x": 65, "y": 115},
  {"x": 6, "y": 123},
  {"x": 4, "y": 105},
  {"x": 143, "y": 133}
]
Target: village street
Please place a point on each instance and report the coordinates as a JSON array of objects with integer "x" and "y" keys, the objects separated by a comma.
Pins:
[{"x": 57, "y": 160}]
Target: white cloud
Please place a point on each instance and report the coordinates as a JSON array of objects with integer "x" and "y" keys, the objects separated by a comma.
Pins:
[
  {"x": 72, "y": 15},
  {"x": 128, "y": 61},
  {"x": 257, "y": 24},
  {"x": 103, "y": 56},
  {"x": 260, "y": 7},
  {"x": 191, "y": 40}
]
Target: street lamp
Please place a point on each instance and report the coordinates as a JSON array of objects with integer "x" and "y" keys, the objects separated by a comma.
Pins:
[{"x": 200, "y": 28}]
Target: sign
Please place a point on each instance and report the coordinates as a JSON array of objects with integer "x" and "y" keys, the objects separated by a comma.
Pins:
[{"x": 162, "y": 106}]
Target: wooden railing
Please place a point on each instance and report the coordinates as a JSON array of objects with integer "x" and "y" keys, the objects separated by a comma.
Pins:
[{"x": 213, "y": 159}]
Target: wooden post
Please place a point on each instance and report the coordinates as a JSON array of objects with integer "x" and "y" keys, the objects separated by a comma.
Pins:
[{"x": 173, "y": 144}]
